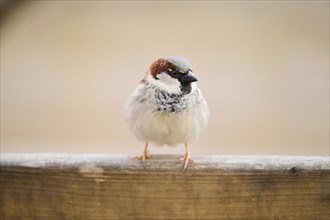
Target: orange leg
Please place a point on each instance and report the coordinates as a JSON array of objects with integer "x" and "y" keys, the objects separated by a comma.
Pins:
[
  {"x": 145, "y": 154},
  {"x": 186, "y": 157}
]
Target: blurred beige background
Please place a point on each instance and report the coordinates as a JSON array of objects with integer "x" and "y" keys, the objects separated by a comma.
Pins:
[{"x": 68, "y": 67}]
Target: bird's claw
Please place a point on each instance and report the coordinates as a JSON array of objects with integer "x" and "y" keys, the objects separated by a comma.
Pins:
[
  {"x": 185, "y": 160},
  {"x": 143, "y": 157}
]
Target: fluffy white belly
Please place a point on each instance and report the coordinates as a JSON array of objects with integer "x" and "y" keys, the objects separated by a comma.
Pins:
[
  {"x": 166, "y": 119},
  {"x": 168, "y": 129}
]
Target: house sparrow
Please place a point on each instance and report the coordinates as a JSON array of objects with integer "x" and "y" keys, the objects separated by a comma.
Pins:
[{"x": 167, "y": 107}]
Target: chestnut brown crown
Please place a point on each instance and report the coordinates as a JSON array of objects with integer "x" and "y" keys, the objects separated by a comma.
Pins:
[{"x": 174, "y": 63}]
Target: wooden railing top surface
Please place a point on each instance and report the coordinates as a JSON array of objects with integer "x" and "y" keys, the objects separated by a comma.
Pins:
[{"x": 164, "y": 163}]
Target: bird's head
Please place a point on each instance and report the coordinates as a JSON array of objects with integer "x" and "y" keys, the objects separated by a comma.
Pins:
[{"x": 172, "y": 74}]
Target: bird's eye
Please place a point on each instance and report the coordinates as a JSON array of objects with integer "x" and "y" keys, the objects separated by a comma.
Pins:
[{"x": 173, "y": 73}]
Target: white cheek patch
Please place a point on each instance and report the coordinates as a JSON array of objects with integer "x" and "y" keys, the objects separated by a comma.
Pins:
[
  {"x": 167, "y": 83},
  {"x": 165, "y": 78}
]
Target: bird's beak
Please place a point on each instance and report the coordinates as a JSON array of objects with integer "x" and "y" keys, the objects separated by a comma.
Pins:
[{"x": 189, "y": 77}]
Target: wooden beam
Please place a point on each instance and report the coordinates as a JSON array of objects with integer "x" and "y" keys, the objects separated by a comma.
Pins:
[{"x": 104, "y": 186}]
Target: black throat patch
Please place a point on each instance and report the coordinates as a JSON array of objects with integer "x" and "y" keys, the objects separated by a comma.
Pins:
[
  {"x": 185, "y": 88},
  {"x": 170, "y": 102}
]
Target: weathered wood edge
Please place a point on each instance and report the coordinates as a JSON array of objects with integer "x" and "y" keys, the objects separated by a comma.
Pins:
[{"x": 100, "y": 163}]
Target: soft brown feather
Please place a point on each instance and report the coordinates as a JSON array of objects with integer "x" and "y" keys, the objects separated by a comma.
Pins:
[{"x": 159, "y": 66}]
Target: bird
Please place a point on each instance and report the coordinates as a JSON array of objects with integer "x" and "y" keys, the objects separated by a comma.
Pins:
[{"x": 167, "y": 107}]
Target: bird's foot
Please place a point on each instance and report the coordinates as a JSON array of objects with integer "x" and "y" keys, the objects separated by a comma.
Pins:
[
  {"x": 187, "y": 157},
  {"x": 144, "y": 156}
]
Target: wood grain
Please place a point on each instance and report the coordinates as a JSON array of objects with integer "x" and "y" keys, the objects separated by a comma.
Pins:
[{"x": 104, "y": 186}]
